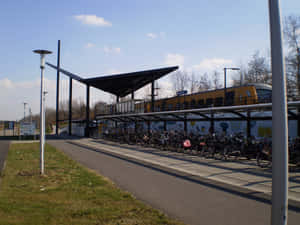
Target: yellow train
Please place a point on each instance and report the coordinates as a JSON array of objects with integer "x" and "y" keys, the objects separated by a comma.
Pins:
[{"x": 239, "y": 95}]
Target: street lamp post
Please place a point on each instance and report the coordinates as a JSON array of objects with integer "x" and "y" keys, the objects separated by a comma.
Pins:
[
  {"x": 42, "y": 54},
  {"x": 279, "y": 120},
  {"x": 25, "y": 103},
  {"x": 231, "y": 68}
]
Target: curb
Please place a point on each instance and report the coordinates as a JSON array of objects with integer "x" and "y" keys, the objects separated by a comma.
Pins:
[{"x": 242, "y": 191}]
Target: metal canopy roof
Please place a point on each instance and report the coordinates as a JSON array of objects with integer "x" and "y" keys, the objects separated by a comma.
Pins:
[
  {"x": 204, "y": 114},
  {"x": 121, "y": 84},
  {"x": 124, "y": 84}
]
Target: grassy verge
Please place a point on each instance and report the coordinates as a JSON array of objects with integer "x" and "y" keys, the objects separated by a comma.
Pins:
[{"x": 67, "y": 194}]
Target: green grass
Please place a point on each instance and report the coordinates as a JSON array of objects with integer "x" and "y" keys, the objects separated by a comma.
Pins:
[{"x": 67, "y": 194}]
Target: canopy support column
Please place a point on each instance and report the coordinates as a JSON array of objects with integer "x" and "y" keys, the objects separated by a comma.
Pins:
[
  {"x": 185, "y": 125},
  {"x": 152, "y": 96},
  {"x": 70, "y": 105},
  {"x": 298, "y": 122},
  {"x": 87, "y": 110},
  {"x": 212, "y": 124},
  {"x": 57, "y": 89},
  {"x": 148, "y": 126},
  {"x": 248, "y": 124}
]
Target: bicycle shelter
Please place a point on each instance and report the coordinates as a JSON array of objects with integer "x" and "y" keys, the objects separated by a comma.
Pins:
[{"x": 246, "y": 113}]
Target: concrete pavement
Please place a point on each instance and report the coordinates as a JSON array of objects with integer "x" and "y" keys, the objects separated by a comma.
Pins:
[
  {"x": 155, "y": 177},
  {"x": 242, "y": 175}
]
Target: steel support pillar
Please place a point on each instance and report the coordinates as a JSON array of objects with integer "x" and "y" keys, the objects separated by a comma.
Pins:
[
  {"x": 298, "y": 123},
  {"x": 152, "y": 96},
  {"x": 165, "y": 125},
  {"x": 148, "y": 126},
  {"x": 212, "y": 124},
  {"x": 248, "y": 124},
  {"x": 135, "y": 127},
  {"x": 132, "y": 95},
  {"x": 57, "y": 88},
  {"x": 87, "y": 133},
  {"x": 70, "y": 105},
  {"x": 185, "y": 125}
]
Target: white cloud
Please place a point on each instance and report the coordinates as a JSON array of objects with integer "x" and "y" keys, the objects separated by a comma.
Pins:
[
  {"x": 109, "y": 50},
  {"x": 93, "y": 20},
  {"x": 6, "y": 83},
  {"x": 89, "y": 45},
  {"x": 156, "y": 35},
  {"x": 208, "y": 65},
  {"x": 152, "y": 35},
  {"x": 165, "y": 88},
  {"x": 174, "y": 60}
]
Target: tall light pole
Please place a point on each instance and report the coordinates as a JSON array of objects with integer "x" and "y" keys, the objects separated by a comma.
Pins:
[
  {"x": 25, "y": 103},
  {"x": 42, "y": 54},
  {"x": 279, "y": 121},
  {"x": 30, "y": 114},
  {"x": 231, "y": 68}
]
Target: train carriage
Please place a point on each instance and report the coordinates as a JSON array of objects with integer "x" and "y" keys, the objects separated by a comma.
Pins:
[{"x": 239, "y": 95}]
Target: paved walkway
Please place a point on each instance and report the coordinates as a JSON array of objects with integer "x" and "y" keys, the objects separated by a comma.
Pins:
[{"x": 243, "y": 175}]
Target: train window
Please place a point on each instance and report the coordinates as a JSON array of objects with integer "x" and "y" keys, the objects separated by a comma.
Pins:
[
  {"x": 177, "y": 106},
  {"x": 264, "y": 95},
  {"x": 248, "y": 93},
  {"x": 193, "y": 103},
  {"x": 163, "y": 106},
  {"x": 201, "y": 103},
  {"x": 170, "y": 107},
  {"x": 185, "y": 105},
  {"x": 219, "y": 101},
  {"x": 209, "y": 102},
  {"x": 230, "y": 97}
]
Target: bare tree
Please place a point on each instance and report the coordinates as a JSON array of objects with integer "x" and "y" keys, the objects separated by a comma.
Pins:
[
  {"x": 204, "y": 83},
  {"x": 193, "y": 83},
  {"x": 100, "y": 108},
  {"x": 239, "y": 79},
  {"x": 292, "y": 37},
  {"x": 258, "y": 70},
  {"x": 180, "y": 80},
  {"x": 216, "y": 80},
  {"x": 145, "y": 92}
]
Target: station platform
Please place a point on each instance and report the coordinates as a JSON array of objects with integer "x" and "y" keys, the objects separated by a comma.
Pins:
[{"x": 241, "y": 176}]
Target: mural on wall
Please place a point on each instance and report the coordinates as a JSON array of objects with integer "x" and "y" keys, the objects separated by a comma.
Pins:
[
  {"x": 259, "y": 128},
  {"x": 224, "y": 126}
]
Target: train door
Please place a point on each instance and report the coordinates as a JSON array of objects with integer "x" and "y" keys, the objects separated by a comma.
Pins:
[{"x": 230, "y": 98}]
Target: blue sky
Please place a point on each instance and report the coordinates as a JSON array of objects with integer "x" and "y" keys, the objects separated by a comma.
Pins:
[{"x": 124, "y": 36}]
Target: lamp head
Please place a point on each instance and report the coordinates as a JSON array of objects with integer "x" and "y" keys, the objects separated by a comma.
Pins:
[{"x": 42, "y": 52}]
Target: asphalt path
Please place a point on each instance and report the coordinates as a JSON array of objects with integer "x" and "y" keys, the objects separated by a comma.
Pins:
[
  {"x": 4, "y": 146},
  {"x": 180, "y": 197}
]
